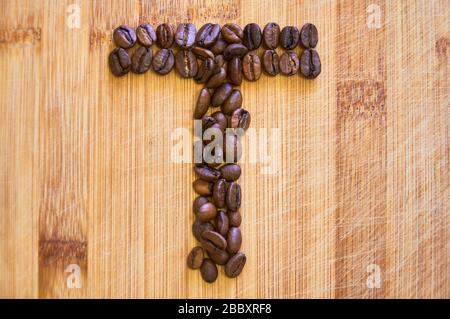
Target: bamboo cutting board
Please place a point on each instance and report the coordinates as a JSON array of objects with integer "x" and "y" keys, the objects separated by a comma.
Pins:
[{"x": 359, "y": 205}]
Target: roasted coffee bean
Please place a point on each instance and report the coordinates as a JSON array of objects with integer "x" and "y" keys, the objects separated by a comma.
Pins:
[
  {"x": 219, "y": 46},
  {"x": 124, "y": 36},
  {"x": 240, "y": 119},
  {"x": 235, "y": 265},
  {"x": 146, "y": 35},
  {"x": 205, "y": 71},
  {"x": 208, "y": 35},
  {"x": 222, "y": 223},
  {"x": 271, "y": 62},
  {"x": 119, "y": 62},
  {"x": 220, "y": 62},
  {"x": 207, "y": 122},
  {"x": 221, "y": 94},
  {"x": 219, "y": 193},
  {"x": 198, "y": 227},
  {"x": 185, "y": 35},
  {"x": 217, "y": 79},
  {"x": 213, "y": 241},
  {"x": 235, "y": 50},
  {"x": 233, "y": 197},
  {"x": 232, "y": 148},
  {"x": 309, "y": 36},
  {"x": 232, "y": 33},
  {"x": 165, "y": 35},
  {"x": 209, "y": 271},
  {"x": 198, "y": 202},
  {"x": 310, "y": 65},
  {"x": 195, "y": 258},
  {"x": 230, "y": 172},
  {"x": 235, "y": 71},
  {"x": 232, "y": 103},
  {"x": 207, "y": 173},
  {"x": 234, "y": 219},
  {"x": 203, "y": 101},
  {"x": 289, "y": 63},
  {"x": 252, "y": 36},
  {"x": 271, "y": 35},
  {"x": 202, "y": 187},
  {"x": 251, "y": 66},
  {"x": 163, "y": 61},
  {"x": 186, "y": 64},
  {"x": 207, "y": 212},
  {"x": 203, "y": 53},
  {"x": 221, "y": 120},
  {"x": 220, "y": 257},
  {"x": 142, "y": 60},
  {"x": 234, "y": 240},
  {"x": 289, "y": 37}
]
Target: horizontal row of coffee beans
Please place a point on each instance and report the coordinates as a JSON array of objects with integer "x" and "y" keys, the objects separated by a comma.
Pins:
[
  {"x": 224, "y": 51},
  {"x": 227, "y": 55}
]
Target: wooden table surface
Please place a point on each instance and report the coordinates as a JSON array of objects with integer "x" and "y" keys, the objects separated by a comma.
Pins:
[{"x": 359, "y": 203}]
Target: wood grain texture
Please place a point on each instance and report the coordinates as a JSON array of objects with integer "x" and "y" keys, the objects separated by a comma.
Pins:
[{"x": 363, "y": 162}]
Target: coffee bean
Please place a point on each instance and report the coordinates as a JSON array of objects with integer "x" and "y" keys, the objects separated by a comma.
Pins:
[
  {"x": 163, "y": 61},
  {"x": 119, "y": 62},
  {"x": 208, "y": 271},
  {"x": 221, "y": 94},
  {"x": 232, "y": 103},
  {"x": 219, "y": 193},
  {"x": 146, "y": 35},
  {"x": 234, "y": 240},
  {"x": 198, "y": 202},
  {"x": 202, "y": 53},
  {"x": 203, "y": 101},
  {"x": 310, "y": 65},
  {"x": 271, "y": 35},
  {"x": 232, "y": 148},
  {"x": 220, "y": 257},
  {"x": 240, "y": 119},
  {"x": 207, "y": 122},
  {"x": 289, "y": 37},
  {"x": 251, "y": 66},
  {"x": 221, "y": 120},
  {"x": 219, "y": 46},
  {"x": 185, "y": 35},
  {"x": 233, "y": 197},
  {"x": 230, "y": 172},
  {"x": 252, "y": 36},
  {"x": 141, "y": 60},
  {"x": 234, "y": 219},
  {"x": 217, "y": 79},
  {"x": 186, "y": 64},
  {"x": 207, "y": 212},
  {"x": 271, "y": 62},
  {"x": 195, "y": 258},
  {"x": 235, "y": 265},
  {"x": 207, "y": 173},
  {"x": 235, "y": 71},
  {"x": 235, "y": 50},
  {"x": 124, "y": 36},
  {"x": 198, "y": 227},
  {"x": 165, "y": 35},
  {"x": 232, "y": 33},
  {"x": 220, "y": 62},
  {"x": 202, "y": 187},
  {"x": 208, "y": 35},
  {"x": 289, "y": 63},
  {"x": 309, "y": 36},
  {"x": 213, "y": 241},
  {"x": 222, "y": 223},
  {"x": 205, "y": 71}
]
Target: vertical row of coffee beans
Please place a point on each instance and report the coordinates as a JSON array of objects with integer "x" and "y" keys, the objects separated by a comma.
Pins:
[{"x": 219, "y": 58}]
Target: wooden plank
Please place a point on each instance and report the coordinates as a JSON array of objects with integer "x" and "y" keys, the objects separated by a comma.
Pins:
[{"x": 362, "y": 167}]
